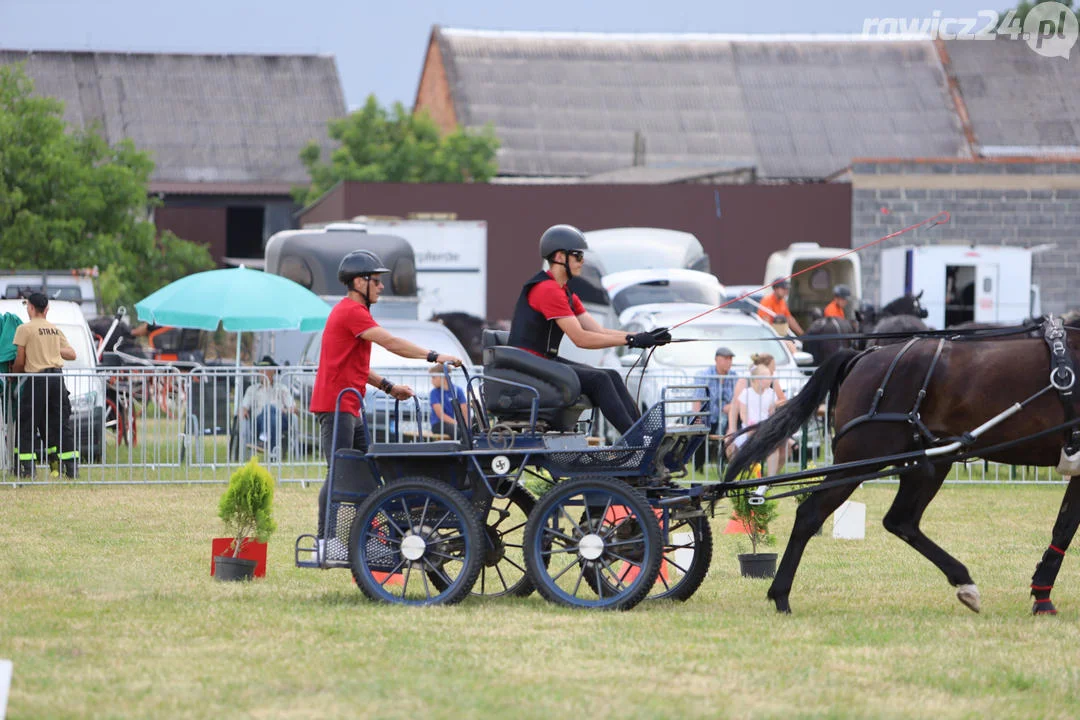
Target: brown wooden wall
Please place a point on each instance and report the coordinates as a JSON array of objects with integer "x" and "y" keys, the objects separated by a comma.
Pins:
[
  {"x": 752, "y": 221},
  {"x": 198, "y": 224}
]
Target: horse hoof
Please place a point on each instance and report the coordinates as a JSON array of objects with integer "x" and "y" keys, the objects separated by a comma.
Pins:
[
  {"x": 1044, "y": 607},
  {"x": 969, "y": 595}
]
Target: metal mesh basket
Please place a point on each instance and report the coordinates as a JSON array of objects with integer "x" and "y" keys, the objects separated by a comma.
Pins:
[
  {"x": 341, "y": 519},
  {"x": 596, "y": 461},
  {"x": 646, "y": 432}
]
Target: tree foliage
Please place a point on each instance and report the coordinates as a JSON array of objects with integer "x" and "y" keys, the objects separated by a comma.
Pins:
[
  {"x": 1012, "y": 21},
  {"x": 397, "y": 146},
  {"x": 70, "y": 200}
]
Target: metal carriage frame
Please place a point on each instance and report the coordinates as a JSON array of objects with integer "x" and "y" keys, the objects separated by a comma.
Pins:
[{"x": 424, "y": 522}]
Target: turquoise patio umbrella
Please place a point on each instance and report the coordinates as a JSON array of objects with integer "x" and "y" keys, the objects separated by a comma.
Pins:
[{"x": 240, "y": 299}]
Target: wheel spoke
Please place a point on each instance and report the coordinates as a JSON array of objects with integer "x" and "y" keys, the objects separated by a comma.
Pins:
[
  {"x": 581, "y": 576},
  {"x": 676, "y": 565},
  {"x": 561, "y": 536},
  {"x": 390, "y": 521},
  {"x": 395, "y": 571},
  {"x": 554, "y": 578},
  {"x": 577, "y": 526},
  {"x": 607, "y": 566}
]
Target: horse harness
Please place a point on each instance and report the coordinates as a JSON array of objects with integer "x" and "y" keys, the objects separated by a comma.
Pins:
[
  {"x": 1062, "y": 379},
  {"x": 1062, "y": 376}
]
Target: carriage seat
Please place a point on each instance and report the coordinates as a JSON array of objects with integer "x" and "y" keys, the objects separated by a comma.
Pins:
[{"x": 561, "y": 401}]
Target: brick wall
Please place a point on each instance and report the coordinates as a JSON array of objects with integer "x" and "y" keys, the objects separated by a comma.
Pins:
[
  {"x": 433, "y": 93},
  {"x": 1023, "y": 203}
]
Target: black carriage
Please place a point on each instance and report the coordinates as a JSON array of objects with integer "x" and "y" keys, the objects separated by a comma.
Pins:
[{"x": 428, "y": 523}]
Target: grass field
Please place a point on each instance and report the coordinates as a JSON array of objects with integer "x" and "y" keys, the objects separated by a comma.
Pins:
[{"x": 108, "y": 610}]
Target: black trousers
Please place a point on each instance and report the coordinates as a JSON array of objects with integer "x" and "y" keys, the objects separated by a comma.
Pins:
[
  {"x": 45, "y": 409},
  {"x": 606, "y": 390},
  {"x": 350, "y": 434}
]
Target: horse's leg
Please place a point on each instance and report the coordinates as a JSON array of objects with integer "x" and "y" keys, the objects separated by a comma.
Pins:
[
  {"x": 809, "y": 518},
  {"x": 1064, "y": 529},
  {"x": 918, "y": 487}
]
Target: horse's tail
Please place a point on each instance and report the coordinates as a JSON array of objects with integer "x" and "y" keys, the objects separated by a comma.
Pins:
[{"x": 768, "y": 435}]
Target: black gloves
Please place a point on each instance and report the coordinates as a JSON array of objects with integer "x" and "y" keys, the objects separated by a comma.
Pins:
[{"x": 659, "y": 336}]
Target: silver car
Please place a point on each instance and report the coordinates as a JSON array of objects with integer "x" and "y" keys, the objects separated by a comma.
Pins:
[{"x": 678, "y": 363}]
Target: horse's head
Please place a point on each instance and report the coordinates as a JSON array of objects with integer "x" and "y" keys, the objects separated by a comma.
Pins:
[{"x": 905, "y": 305}]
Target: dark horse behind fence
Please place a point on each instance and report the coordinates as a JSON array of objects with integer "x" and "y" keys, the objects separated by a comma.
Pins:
[
  {"x": 902, "y": 315},
  {"x": 927, "y": 393},
  {"x": 468, "y": 329}
]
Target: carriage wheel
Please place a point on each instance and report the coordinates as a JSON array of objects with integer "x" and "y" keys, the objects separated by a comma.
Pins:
[
  {"x": 584, "y": 536},
  {"x": 408, "y": 530},
  {"x": 687, "y": 553},
  {"x": 503, "y": 570}
]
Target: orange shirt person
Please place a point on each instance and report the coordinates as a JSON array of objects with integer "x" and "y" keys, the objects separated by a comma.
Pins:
[
  {"x": 835, "y": 309},
  {"x": 775, "y": 304}
]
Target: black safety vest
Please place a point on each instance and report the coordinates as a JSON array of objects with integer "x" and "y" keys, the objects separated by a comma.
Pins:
[{"x": 529, "y": 329}]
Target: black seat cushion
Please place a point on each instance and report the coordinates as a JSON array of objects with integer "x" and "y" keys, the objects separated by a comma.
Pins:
[{"x": 560, "y": 399}]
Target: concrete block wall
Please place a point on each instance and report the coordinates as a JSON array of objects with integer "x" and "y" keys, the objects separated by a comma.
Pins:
[{"x": 1024, "y": 203}]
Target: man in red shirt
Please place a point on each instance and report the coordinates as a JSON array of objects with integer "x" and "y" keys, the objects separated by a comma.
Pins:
[
  {"x": 836, "y": 309},
  {"x": 345, "y": 357},
  {"x": 546, "y": 310},
  {"x": 775, "y": 304}
]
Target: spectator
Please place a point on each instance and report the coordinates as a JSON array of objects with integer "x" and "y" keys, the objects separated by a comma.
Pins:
[
  {"x": 442, "y": 397},
  {"x": 271, "y": 404},
  {"x": 756, "y": 403},
  {"x": 721, "y": 384},
  {"x": 44, "y": 404},
  {"x": 767, "y": 361}
]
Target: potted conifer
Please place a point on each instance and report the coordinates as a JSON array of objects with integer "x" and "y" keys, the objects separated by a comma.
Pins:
[
  {"x": 755, "y": 521},
  {"x": 246, "y": 508}
]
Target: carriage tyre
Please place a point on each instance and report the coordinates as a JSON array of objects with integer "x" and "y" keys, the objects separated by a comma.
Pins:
[
  {"x": 408, "y": 530},
  {"x": 502, "y": 573},
  {"x": 688, "y": 578},
  {"x": 619, "y": 530},
  {"x": 678, "y": 579}
]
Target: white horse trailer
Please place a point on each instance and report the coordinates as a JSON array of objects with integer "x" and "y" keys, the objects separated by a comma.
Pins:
[{"x": 961, "y": 283}]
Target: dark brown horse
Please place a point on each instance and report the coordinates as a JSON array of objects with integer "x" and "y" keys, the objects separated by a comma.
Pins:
[{"x": 971, "y": 382}]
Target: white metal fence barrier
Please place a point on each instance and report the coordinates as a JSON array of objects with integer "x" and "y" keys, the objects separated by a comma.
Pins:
[{"x": 161, "y": 424}]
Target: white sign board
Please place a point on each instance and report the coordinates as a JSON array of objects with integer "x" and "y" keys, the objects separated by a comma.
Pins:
[
  {"x": 849, "y": 521},
  {"x": 451, "y": 262},
  {"x": 6, "y": 668}
]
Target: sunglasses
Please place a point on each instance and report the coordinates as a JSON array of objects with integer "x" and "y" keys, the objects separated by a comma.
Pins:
[{"x": 578, "y": 255}]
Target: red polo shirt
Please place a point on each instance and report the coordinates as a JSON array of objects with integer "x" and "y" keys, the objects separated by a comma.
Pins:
[{"x": 344, "y": 359}]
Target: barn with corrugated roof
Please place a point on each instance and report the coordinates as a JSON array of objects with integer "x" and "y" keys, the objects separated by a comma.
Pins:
[{"x": 225, "y": 131}]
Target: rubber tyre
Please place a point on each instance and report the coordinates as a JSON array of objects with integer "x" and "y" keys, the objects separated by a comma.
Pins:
[
  {"x": 558, "y": 562},
  {"x": 432, "y": 510},
  {"x": 503, "y": 573}
]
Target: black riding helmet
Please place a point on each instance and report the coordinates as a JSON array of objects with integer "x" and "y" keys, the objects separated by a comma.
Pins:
[
  {"x": 842, "y": 291},
  {"x": 561, "y": 237},
  {"x": 357, "y": 263}
]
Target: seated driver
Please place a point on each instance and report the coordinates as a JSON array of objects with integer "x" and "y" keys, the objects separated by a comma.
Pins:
[{"x": 547, "y": 310}]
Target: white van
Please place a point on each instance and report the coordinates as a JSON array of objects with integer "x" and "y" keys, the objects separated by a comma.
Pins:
[
  {"x": 639, "y": 248},
  {"x": 87, "y": 392},
  {"x": 76, "y": 286},
  {"x": 815, "y": 289}
]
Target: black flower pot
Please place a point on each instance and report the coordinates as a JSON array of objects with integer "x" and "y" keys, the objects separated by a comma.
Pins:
[
  {"x": 758, "y": 565},
  {"x": 230, "y": 568}
]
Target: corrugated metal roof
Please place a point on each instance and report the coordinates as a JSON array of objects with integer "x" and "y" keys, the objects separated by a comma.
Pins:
[
  {"x": 205, "y": 118},
  {"x": 1016, "y": 97},
  {"x": 569, "y": 104}
]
